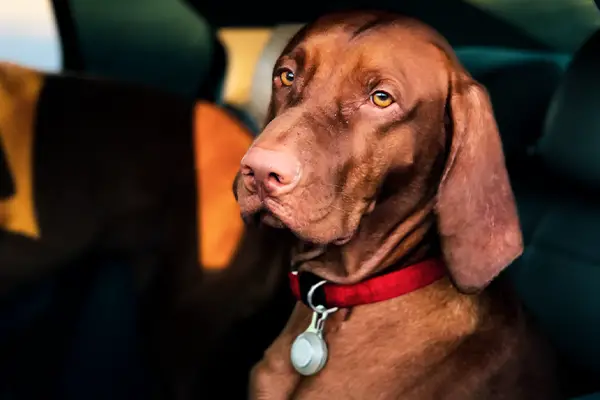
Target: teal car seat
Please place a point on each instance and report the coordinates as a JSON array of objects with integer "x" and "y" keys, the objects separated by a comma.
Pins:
[
  {"x": 165, "y": 44},
  {"x": 556, "y": 185}
]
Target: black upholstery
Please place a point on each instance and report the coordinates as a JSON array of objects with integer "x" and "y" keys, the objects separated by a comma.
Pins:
[
  {"x": 7, "y": 186},
  {"x": 115, "y": 195}
]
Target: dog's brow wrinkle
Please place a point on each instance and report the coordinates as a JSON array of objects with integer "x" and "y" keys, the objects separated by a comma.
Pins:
[
  {"x": 376, "y": 22},
  {"x": 295, "y": 98},
  {"x": 308, "y": 74}
]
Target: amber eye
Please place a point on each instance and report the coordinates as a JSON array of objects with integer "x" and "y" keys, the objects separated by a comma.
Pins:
[
  {"x": 287, "y": 77},
  {"x": 382, "y": 99}
]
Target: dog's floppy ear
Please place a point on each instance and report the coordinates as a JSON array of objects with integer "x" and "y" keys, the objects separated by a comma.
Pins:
[{"x": 477, "y": 218}]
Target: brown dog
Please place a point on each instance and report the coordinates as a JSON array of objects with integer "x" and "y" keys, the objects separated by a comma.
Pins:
[{"x": 382, "y": 152}]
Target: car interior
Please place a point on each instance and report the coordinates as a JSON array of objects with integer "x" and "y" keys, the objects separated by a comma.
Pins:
[{"x": 538, "y": 61}]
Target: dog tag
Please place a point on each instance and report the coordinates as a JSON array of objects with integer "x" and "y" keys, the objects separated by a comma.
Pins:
[{"x": 309, "y": 350}]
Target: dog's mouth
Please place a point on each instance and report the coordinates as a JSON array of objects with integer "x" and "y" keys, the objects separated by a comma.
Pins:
[
  {"x": 274, "y": 219},
  {"x": 273, "y": 215},
  {"x": 344, "y": 239}
]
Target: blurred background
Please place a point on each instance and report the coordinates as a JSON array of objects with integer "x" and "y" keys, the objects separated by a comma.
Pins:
[{"x": 122, "y": 123}]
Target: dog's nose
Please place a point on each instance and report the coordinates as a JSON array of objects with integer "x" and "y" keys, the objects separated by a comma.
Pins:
[{"x": 276, "y": 172}]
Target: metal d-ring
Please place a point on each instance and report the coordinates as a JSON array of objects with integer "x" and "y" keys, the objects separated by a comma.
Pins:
[{"x": 318, "y": 309}]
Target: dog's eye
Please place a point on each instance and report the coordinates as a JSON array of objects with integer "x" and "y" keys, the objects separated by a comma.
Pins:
[
  {"x": 382, "y": 99},
  {"x": 287, "y": 77}
]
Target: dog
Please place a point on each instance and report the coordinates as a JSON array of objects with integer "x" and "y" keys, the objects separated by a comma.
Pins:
[{"x": 382, "y": 156}]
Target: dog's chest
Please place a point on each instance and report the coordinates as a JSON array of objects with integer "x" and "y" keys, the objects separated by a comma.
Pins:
[
  {"x": 379, "y": 361},
  {"x": 395, "y": 351},
  {"x": 407, "y": 369}
]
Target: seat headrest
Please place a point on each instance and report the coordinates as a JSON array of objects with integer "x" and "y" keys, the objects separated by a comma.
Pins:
[
  {"x": 570, "y": 144},
  {"x": 520, "y": 84}
]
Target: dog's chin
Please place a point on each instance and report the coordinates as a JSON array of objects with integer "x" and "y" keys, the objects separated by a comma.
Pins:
[
  {"x": 322, "y": 233},
  {"x": 321, "y": 240},
  {"x": 270, "y": 219}
]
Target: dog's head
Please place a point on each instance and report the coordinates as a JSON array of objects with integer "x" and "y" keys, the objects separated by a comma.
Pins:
[{"x": 372, "y": 108}]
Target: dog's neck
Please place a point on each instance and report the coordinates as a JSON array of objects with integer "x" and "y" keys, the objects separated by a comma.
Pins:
[{"x": 399, "y": 232}]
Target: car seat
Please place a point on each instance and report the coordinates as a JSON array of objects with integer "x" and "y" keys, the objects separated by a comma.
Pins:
[
  {"x": 165, "y": 44},
  {"x": 556, "y": 186}
]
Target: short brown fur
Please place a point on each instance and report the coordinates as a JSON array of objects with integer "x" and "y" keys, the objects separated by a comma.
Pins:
[{"x": 424, "y": 177}]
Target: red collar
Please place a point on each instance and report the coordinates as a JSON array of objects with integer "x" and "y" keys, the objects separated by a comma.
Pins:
[{"x": 379, "y": 288}]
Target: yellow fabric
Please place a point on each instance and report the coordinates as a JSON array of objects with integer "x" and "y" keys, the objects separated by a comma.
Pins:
[
  {"x": 19, "y": 91},
  {"x": 244, "y": 47},
  {"x": 220, "y": 144}
]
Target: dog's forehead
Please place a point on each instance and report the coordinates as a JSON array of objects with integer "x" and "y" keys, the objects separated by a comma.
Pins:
[
  {"x": 353, "y": 26},
  {"x": 362, "y": 38}
]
